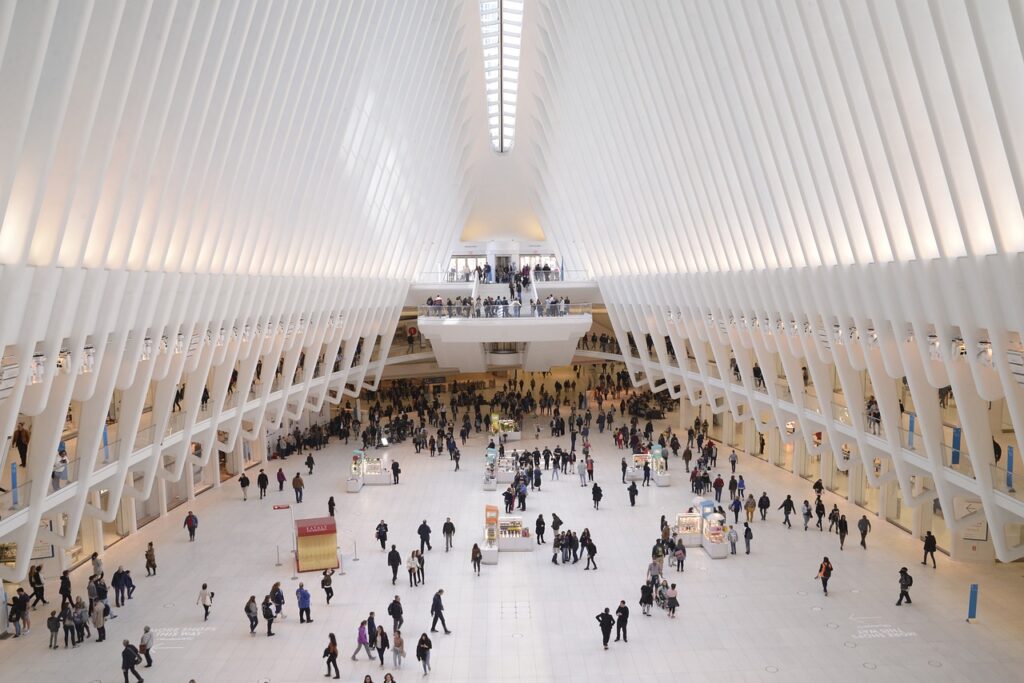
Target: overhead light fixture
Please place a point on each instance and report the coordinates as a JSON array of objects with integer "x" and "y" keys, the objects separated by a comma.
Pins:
[
  {"x": 38, "y": 369},
  {"x": 501, "y": 23}
]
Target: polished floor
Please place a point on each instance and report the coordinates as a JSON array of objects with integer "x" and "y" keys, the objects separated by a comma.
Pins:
[{"x": 745, "y": 618}]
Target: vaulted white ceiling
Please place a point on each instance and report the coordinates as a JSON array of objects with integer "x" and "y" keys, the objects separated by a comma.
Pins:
[{"x": 351, "y": 138}]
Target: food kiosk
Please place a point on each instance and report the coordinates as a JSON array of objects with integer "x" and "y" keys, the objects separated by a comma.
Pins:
[
  {"x": 689, "y": 527},
  {"x": 714, "y": 537},
  {"x": 376, "y": 469},
  {"x": 513, "y": 537}
]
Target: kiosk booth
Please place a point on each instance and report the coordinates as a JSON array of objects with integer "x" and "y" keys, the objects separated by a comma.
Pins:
[
  {"x": 489, "y": 549},
  {"x": 316, "y": 544}
]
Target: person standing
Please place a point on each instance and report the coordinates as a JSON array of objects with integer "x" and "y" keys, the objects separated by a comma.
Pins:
[
  {"x": 362, "y": 641},
  {"x": 99, "y": 620},
  {"x": 129, "y": 659},
  {"x": 396, "y": 612},
  {"x": 844, "y": 529},
  {"x": 732, "y": 461},
  {"x": 733, "y": 539},
  {"x": 65, "y": 585},
  {"x": 396, "y": 470},
  {"x": 252, "y": 612},
  {"x": 191, "y": 523},
  {"x": 621, "y": 621},
  {"x": 539, "y": 528},
  {"x": 382, "y": 644},
  {"x": 632, "y": 490},
  {"x": 53, "y": 626},
  {"x": 262, "y": 482},
  {"x": 605, "y": 621},
  {"x": 748, "y": 535},
  {"x": 243, "y": 481},
  {"x": 624, "y": 466},
  {"x": 150, "y": 562},
  {"x": 807, "y": 514},
  {"x": 21, "y": 438},
  {"x": 423, "y": 647},
  {"x": 581, "y": 469},
  {"x": 437, "y": 610},
  {"x": 381, "y": 534},
  {"x": 310, "y": 462},
  {"x": 825, "y": 573},
  {"x": 787, "y": 508},
  {"x": 67, "y": 618},
  {"x": 672, "y": 600},
  {"x": 298, "y": 485},
  {"x": 146, "y": 646},
  {"x": 596, "y": 494},
  {"x": 302, "y": 598},
  {"x": 864, "y": 526},
  {"x": 268, "y": 615},
  {"x": 413, "y": 565},
  {"x": 331, "y": 653},
  {"x": 277, "y": 597},
  {"x": 205, "y": 598},
  {"x": 330, "y": 506},
  {"x": 591, "y": 552},
  {"x": 646, "y": 599},
  {"x": 448, "y": 531},
  {"x": 327, "y": 583},
  {"x": 397, "y": 650},
  {"x": 929, "y": 548},
  {"x": 476, "y": 556},
  {"x": 906, "y": 581},
  {"x": 424, "y": 533}
]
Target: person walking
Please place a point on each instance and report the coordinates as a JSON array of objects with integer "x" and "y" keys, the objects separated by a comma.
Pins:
[
  {"x": 749, "y": 506},
  {"x": 362, "y": 641},
  {"x": 646, "y": 599},
  {"x": 35, "y": 581},
  {"x": 539, "y": 528},
  {"x": 787, "y": 508},
  {"x": 437, "y": 610},
  {"x": 281, "y": 479},
  {"x": 424, "y": 533},
  {"x": 413, "y": 565},
  {"x": 331, "y": 653},
  {"x": 327, "y": 583},
  {"x": 844, "y": 529},
  {"x": 302, "y": 599},
  {"x": 591, "y": 552},
  {"x": 423, "y": 647},
  {"x": 205, "y": 598},
  {"x": 672, "y": 600},
  {"x": 448, "y": 531},
  {"x": 476, "y": 557},
  {"x": 277, "y": 597},
  {"x": 394, "y": 561},
  {"x": 733, "y": 459},
  {"x": 262, "y": 482},
  {"x": 906, "y": 581},
  {"x": 596, "y": 494},
  {"x": 191, "y": 523},
  {"x": 632, "y": 490},
  {"x": 146, "y": 646},
  {"x": 397, "y": 649},
  {"x": 763, "y": 503},
  {"x": 819, "y": 512},
  {"x": 605, "y": 621},
  {"x": 824, "y": 573},
  {"x": 310, "y": 462},
  {"x": 243, "y": 481},
  {"x": 621, "y": 622},
  {"x": 396, "y": 612},
  {"x": 268, "y": 615},
  {"x": 330, "y": 506},
  {"x": 748, "y": 535},
  {"x": 381, "y": 644},
  {"x": 381, "y": 534},
  {"x": 929, "y": 548},
  {"x": 252, "y": 613},
  {"x": 863, "y": 526},
  {"x": 129, "y": 660},
  {"x": 806, "y": 512},
  {"x": 298, "y": 485}
]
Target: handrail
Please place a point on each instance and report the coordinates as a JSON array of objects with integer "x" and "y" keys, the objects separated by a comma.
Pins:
[{"x": 504, "y": 311}]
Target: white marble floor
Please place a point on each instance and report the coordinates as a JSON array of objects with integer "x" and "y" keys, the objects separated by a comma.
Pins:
[{"x": 757, "y": 617}]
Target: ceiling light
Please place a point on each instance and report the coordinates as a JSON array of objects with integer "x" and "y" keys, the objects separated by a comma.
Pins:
[{"x": 501, "y": 24}]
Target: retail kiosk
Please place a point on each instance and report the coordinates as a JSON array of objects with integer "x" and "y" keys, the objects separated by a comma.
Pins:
[
  {"x": 316, "y": 545},
  {"x": 489, "y": 549},
  {"x": 491, "y": 471},
  {"x": 377, "y": 469},
  {"x": 690, "y": 528},
  {"x": 505, "y": 429},
  {"x": 505, "y": 469},
  {"x": 660, "y": 474},
  {"x": 513, "y": 537},
  {"x": 714, "y": 537}
]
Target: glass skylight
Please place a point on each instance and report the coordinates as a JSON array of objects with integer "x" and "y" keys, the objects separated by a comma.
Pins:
[{"x": 501, "y": 22}]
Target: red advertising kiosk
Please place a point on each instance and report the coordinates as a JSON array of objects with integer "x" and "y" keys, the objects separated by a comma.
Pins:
[{"x": 316, "y": 544}]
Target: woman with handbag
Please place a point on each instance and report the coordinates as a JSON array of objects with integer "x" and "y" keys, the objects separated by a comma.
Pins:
[
  {"x": 331, "y": 653},
  {"x": 146, "y": 646}
]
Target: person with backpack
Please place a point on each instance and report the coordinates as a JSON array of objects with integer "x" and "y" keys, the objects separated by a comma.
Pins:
[
  {"x": 252, "y": 612},
  {"x": 326, "y": 583},
  {"x": 191, "y": 523},
  {"x": 396, "y": 612},
  {"x": 824, "y": 573},
  {"x": 906, "y": 581},
  {"x": 243, "y": 481},
  {"x": 381, "y": 534},
  {"x": 268, "y": 615},
  {"x": 632, "y": 490},
  {"x": 130, "y": 658}
]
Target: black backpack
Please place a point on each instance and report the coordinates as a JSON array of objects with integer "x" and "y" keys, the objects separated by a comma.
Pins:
[{"x": 267, "y": 612}]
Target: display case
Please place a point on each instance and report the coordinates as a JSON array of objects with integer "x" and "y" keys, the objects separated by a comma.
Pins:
[
  {"x": 505, "y": 469},
  {"x": 512, "y": 536},
  {"x": 714, "y": 537},
  {"x": 690, "y": 528},
  {"x": 660, "y": 475},
  {"x": 504, "y": 428},
  {"x": 377, "y": 469},
  {"x": 489, "y": 548}
]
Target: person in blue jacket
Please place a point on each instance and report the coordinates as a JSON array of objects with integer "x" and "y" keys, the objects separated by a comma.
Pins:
[{"x": 302, "y": 598}]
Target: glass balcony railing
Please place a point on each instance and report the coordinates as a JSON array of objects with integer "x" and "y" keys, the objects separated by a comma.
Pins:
[{"x": 503, "y": 311}]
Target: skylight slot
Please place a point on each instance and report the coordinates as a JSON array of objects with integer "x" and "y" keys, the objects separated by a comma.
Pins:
[{"x": 501, "y": 23}]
